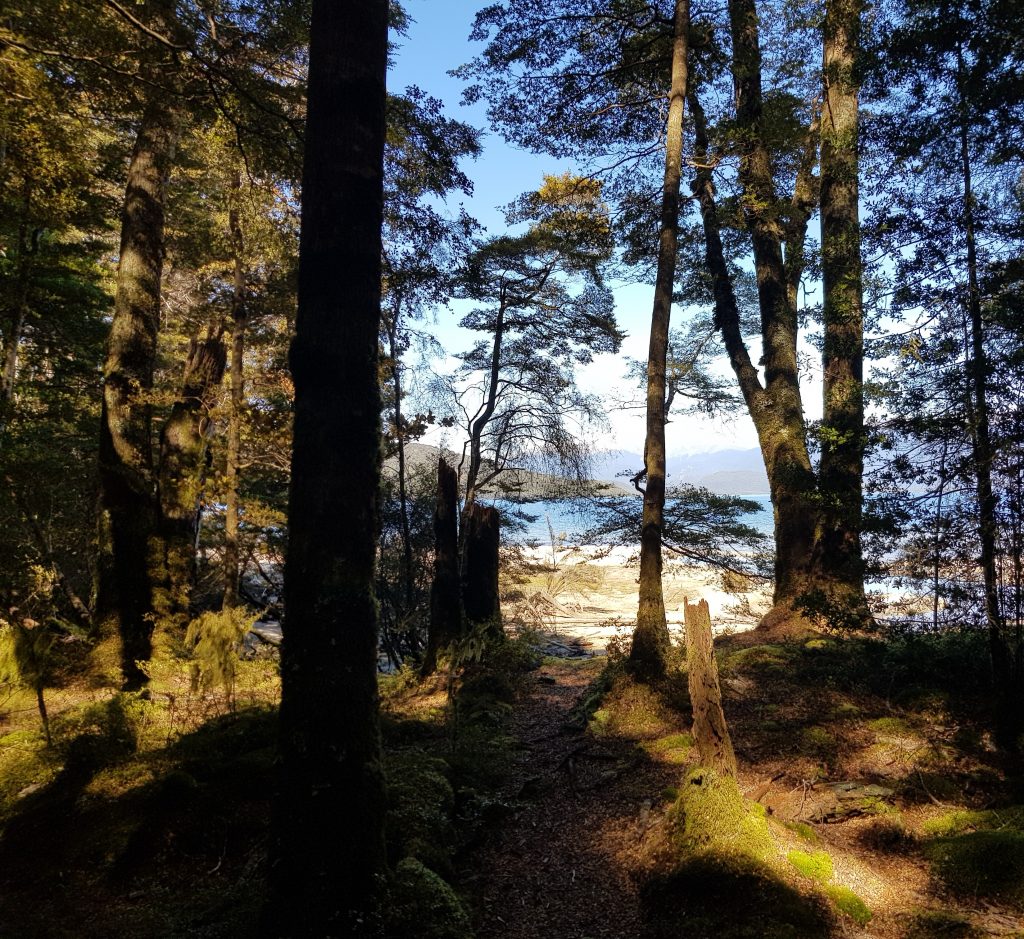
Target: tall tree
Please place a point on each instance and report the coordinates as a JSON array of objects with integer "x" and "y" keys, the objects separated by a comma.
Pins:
[
  {"x": 328, "y": 834},
  {"x": 841, "y": 468},
  {"x": 516, "y": 392},
  {"x": 650, "y": 637},
  {"x": 129, "y": 531}
]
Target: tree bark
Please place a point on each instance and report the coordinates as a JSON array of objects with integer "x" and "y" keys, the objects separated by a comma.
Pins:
[
  {"x": 130, "y": 549},
  {"x": 710, "y": 731},
  {"x": 403, "y": 497},
  {"x": 239, "y": 316},
  {"x": 327, "y": 856},
  {"x": 841, "y": 471},
  {"x": 480, "y": 567},
  {"x": 445, "y": 592},
  {"x": 183, "y": 446},
  {"x": 647, "y": 658}
]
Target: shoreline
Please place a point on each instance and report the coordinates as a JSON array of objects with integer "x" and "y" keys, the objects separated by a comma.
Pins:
[{"x": 586, "y": 595}]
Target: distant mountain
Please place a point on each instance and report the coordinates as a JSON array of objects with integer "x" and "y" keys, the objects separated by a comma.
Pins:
[
  {"x": 513, "y": 483},
  {"x": 731, "y": 472}
]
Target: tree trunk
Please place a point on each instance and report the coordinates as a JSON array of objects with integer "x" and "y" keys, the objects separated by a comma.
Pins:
[
  {"x": 27, "y": 247},
  {"x": 239, "y": 314},
  {"x": 710, "y": 731},
  {"x": 841, "y": 471},
  {"x": 647, "y": 658},
  {"x": 327, "y": 856},
  {"x": 183, "y": 444},
  {"x": 445, "y": 592},
  {"x": 130, "y": 550},
  {"x": 1008, "y": 718},
  {"x": 780, "y": 432},
  {"x": 480, "y": 567},
  {"x": 403, "y": 497}
]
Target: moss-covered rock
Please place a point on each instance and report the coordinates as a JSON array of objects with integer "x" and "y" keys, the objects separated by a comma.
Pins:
[
  {"x": 423, "y": 905},
  {"x": 712, "y": 815},
  {"x": 938, "y": 924}
]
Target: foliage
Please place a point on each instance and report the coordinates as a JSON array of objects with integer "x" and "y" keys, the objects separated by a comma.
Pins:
[{"x": 214, "y": 638}]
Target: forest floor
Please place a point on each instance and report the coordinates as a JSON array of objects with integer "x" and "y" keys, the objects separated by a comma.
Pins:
[
  {"x": 877, "y": 788},
  {"x": 548, "y": 803}
]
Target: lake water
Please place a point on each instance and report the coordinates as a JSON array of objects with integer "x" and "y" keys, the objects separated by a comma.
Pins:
[{"x": 570, "y": 518}]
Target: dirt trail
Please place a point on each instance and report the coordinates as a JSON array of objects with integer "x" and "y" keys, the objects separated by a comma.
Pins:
[{"x": 559, "y": 867}]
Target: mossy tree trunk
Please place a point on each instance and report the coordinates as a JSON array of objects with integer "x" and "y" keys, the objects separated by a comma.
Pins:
[
  {"x": 710, "y": 731},
  {"x": 480, "y": 566},
  {"x": 841, "y": 469},
  {"x": 183, "y": 447},
  {"x": 647, "y": 659},
  {"x": 445, "y": 591},
  {"x": 130, "y": 547},
  {"x": 327, "y": 853}
]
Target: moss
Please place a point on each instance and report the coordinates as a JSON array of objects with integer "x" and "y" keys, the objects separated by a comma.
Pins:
[
  {"x": 633, "y": 710},
  {"x": 891, "y": 727},
  {"x": 672, "y": 748},
  {"x": 804, "y": 831},
  {"x": 730, "y": 897},
  {"x": 816, "y": 866},
  {"x": 959, "y": 821},
  {"x": 938, "y": 924},
  {"x": 423, "y": 905},
  {"x": 849, "y": 904},
  {"x": 988, "y": 864},
  {"x": 765, "y": 658},
  {"x": 670, "y": 793},
  {"x": 421, "y": 805},
  {"x": 846, "y": 711},
  {"x": 819, "y": 743},
  {"x": 711, "y": 814}
]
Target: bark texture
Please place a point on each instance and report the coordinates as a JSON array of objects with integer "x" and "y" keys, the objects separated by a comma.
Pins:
[
  {"x": 480, "y": 566},
  {"x": 183, "y": 446},
  {"x": 327, "y": 856},
  {"x": 840, "y": 478},
  {"x": 710, "y": 731},
  {"x": 130, "y": 547},
  {"x": 445, "y": 591},
  {"x": 239, "y": 316},
  {"x": 650, "y": 637}
]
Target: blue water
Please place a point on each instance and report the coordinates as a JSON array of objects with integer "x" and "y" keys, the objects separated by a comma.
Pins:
[{"x": 569, "y": 519}]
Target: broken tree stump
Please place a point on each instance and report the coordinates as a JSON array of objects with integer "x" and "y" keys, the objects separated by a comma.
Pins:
[{"x": 710, "y": 731}]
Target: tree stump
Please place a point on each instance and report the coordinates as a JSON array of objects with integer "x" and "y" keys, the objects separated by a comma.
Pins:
[
  {"x": 480, "y": 566},
  {"x": 710, "y": 731},
  {"x": 445, "y": 598}
]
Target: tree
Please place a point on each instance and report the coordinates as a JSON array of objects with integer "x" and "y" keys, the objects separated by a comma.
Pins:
[
  {"x": 650, "y": 638},
  {"x": 328, "y": 837},
  {"x": 129, "y": 532},
  {"x": 842, "y": 429},
  {"x": 516, "y": 393}
]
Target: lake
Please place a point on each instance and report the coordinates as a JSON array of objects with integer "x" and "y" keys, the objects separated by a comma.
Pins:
[{"x": 570, "y": 518}]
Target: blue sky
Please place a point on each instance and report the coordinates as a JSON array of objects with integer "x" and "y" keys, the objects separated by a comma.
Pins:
[{"x": 438, "y": 42}]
